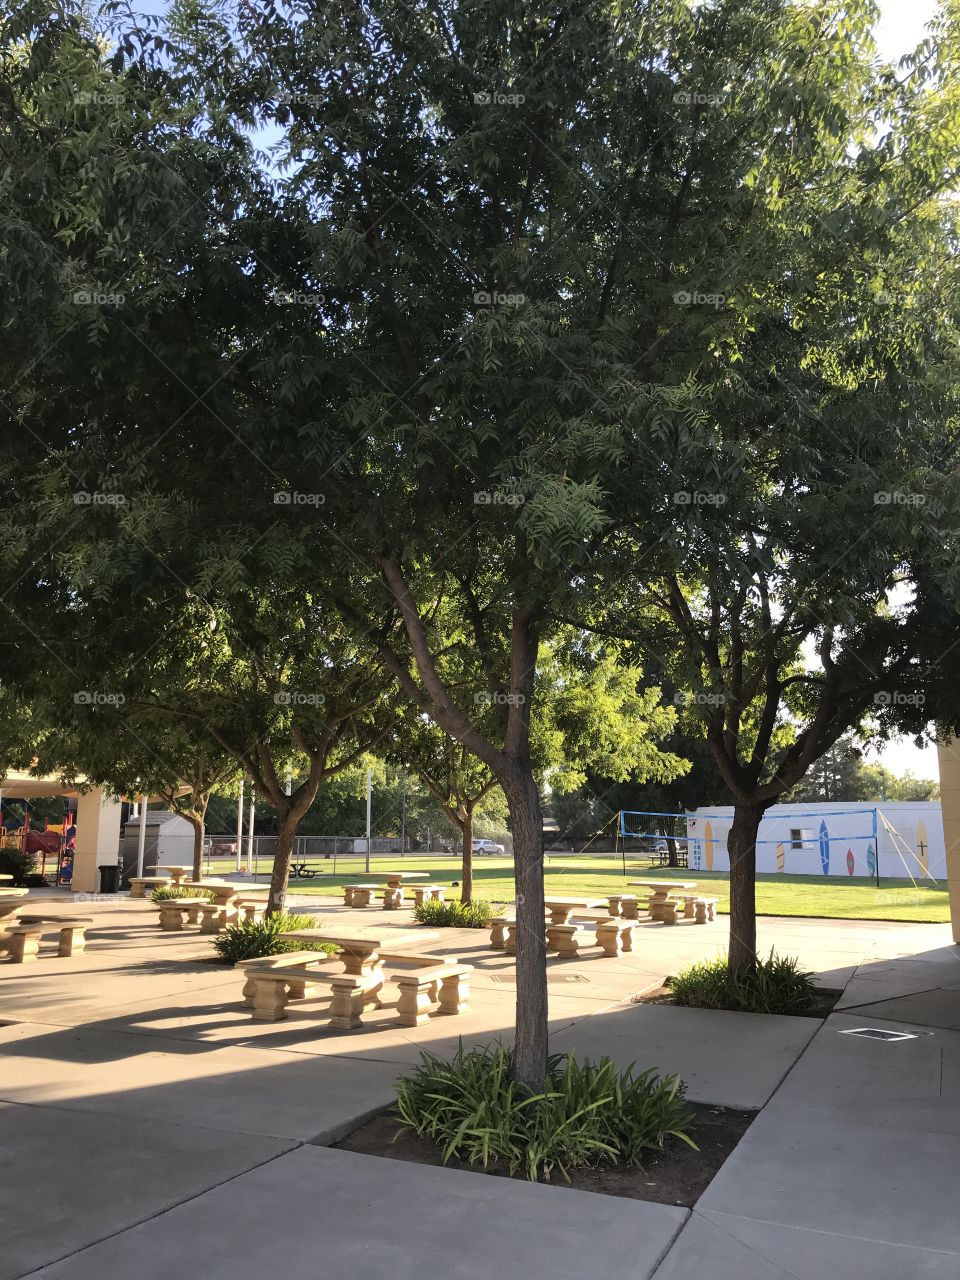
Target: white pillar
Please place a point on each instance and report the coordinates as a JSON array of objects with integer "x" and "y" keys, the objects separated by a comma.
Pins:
[
  {"x": 98, "y": 838},
  {"x": 948, "y": 758},
  {"x": 144, "y": 804},
  {"x": 239, "y": 824},
  {"x": 251, "y": 817}
]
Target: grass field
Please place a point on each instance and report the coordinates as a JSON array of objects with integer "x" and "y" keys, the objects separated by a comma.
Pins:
[{"x": 836, "y": 897}]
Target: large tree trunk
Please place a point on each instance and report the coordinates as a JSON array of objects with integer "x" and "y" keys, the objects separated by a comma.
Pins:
[
  {"x": 666, "y": 830},
  {"x": 526, "y": 821},
  {"x": 466, "y": 880},
  {"x": 197, "y": 823},
  {"x": 280, "y": 876},
  {"x": 742, "y": 848}
]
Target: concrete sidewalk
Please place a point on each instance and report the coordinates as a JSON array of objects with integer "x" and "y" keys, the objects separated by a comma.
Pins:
[
  {"x": 147, "y": 1124},
  {"x": 851, "y": 1168}
]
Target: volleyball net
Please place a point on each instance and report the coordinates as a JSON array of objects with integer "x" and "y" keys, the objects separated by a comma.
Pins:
[{"x": 802, "y": 842}]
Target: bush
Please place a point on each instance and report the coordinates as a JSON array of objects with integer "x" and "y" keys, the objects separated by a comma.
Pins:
[
  {"x": 454, "y": 915},
  {"x": 250, "y": 939},
  {"x": 777, "y": 985},
  {"x": 588, "y": 1114},
  {"x": 164, "y": 892},
  {"x": 24, "y": 867}
]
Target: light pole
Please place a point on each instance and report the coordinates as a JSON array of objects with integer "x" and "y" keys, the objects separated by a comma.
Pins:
[{"x": 369, "y": 796}]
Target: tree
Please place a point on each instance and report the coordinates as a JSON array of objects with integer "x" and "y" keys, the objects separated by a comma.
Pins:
[
  {"x": 133, "y": 753},
  {"x": 803, "y": 427},
  {"x": 457, "y": 781},
  {"x": 843, "y": 773},
  {"x": 593, "y": 713},
  {"x": 475, "y": 339}
]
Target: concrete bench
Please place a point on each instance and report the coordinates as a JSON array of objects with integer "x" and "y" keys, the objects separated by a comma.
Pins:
[
  {"x": 624, "y": 904},
  {"x": 173, "y": 910},
  {"x": 214, "y": 918},
  {"x": 22, "y": 941},
  {"x": 565, "y": 939},
  {"x": 357, "y": 895},
  {"x": 271, "y": 993},
  {"x": 73, "y": 931},
  {"x": 138, "y": 884},
  {"x": 665, "y": 910},
  {"x": 704, "y": 910},
  {"x": 613, "y": 935},
  {"x": 297, "y": 988},
  {"x": 502, "y": 929},
  {"x": 252, "y": 909},
  {"x": 430, "y": 892},
  {"x": 447, "y": 985}
]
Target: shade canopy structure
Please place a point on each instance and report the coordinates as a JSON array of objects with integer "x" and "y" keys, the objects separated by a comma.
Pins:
[{"x": 98, "y": 819}]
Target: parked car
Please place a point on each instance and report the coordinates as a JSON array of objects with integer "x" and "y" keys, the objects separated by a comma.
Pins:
[{"x": 487, "y": 846}]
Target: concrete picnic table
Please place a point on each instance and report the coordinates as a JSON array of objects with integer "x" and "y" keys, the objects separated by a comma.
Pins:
[
  {"x": 662, "y": 890},
  {"x": 177, "y": 873},
  {"x": 225, "y": 894},
  {"x": 561, "y": 909},
  {"x": 393, "y": 897},
  {"x": 360, "y": 948},
  {"x": 11, "y": 900},
  {"x": 5, "y": 876}
]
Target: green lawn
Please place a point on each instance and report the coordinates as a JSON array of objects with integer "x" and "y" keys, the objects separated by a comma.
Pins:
[{"x": 837, "y": 897}]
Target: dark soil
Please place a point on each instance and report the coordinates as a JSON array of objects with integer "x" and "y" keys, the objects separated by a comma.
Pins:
[
  {"x": 821, "y": 1007},
  {"x": 677, "y": 1175}
]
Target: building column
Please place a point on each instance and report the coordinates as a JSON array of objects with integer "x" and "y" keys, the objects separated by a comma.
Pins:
[
  {"x": 948, "y": 757},
  {"x": 98, "y": 838}
]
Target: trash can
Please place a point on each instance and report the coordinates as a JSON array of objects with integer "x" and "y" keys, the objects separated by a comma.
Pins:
[{"x": 110, "y": 878}]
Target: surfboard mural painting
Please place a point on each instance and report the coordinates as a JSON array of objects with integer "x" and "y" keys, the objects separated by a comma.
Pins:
[
  {"x": 708, "y": 843},
  {"x": 850, "y": 862},
  {"x": 781, "y": 857},
  {"x": 871, "y": 860},
  {"x": 824, "y": 848},
  {"x": 923, "y": 849},
  {"x": 696, "y": 855}
]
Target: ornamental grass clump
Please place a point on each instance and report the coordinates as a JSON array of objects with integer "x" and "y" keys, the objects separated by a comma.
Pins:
[
  {"x": 454, "y": 915},
  {"x": 588, "y": 1114},
  {"x": 777, "y": 985},
  {"x": 250, "y": 939},
  {"x": 166, "y": 892}
]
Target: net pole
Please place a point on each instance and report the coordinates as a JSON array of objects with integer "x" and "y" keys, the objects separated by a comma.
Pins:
[{"x": 876, "y": 847}]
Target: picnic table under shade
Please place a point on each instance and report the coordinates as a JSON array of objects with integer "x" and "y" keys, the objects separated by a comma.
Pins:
[
  {"x": 178, "y": 872},
  {"x": 225, "y": 894},
  {"x": 561, "y": 909},
  {"x": 360, "y": 950}
]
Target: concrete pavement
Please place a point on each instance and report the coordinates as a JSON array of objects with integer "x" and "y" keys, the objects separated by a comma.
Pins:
[
  {"x": 147, "y": 1123},
  {"x": 364, "y": 1218},
  {"x": 851, "y": 1168}
]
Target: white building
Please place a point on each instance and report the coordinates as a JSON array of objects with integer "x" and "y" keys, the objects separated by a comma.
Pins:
[
  {"x": 169, "y": 841},
  {"x": 832, "y": 838}
]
